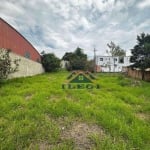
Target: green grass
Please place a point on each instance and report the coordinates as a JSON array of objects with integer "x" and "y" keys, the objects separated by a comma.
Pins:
[{"x": 34, "y": 110}]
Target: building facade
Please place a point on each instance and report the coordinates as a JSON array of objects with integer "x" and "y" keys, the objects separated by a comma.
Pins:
[
  {"x": 112, "y": 64},
  {"x": 22, "y": 49}
]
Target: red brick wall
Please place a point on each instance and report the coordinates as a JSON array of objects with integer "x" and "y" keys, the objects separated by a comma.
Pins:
[{"x": 11, "y": 39}]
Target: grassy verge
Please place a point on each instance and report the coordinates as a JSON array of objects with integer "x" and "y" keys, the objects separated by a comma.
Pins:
[{"x": 35, "y": 113}]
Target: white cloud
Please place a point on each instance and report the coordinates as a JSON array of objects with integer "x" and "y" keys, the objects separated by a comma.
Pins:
[
  {"x": 60, "y": 26},
  {"x": 143, "y": 4},
  {"x": 6, "y": 6}
]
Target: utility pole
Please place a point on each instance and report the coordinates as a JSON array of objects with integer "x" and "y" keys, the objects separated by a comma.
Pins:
[{"x": 94, "y": 60}]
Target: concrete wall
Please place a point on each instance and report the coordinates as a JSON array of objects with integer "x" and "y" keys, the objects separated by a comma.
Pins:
[
  {"x": 26, "y": 67},
  {"x": 63, "y": 64}
]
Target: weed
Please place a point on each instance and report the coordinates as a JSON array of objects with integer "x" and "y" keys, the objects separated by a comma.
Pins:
[{"x": 34, "y": 110}]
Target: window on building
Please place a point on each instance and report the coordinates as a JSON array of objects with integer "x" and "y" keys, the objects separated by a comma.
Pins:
[
  {"x": 115, "y": 65},
  {"x": 27, "y": 54},
  {"x": 121, "y": 60},
  {"x": 101, "y": 59},
  {"x": 115, "y": 59}
]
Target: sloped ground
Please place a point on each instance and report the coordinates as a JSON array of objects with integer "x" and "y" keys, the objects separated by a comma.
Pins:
[{"x": 36, "y": 113}]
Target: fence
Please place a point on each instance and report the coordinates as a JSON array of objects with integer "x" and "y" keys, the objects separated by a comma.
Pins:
[{"x": 136, "y": 73}]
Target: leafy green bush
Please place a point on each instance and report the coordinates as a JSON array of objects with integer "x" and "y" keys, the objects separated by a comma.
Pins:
[
  {"x": 6, "y": 64},
  {"x": 50, "y": 62},
  {"x": 77, "y": 60}
]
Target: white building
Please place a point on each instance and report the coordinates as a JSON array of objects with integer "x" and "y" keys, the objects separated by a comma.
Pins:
[{"x": 111, "y": 64}]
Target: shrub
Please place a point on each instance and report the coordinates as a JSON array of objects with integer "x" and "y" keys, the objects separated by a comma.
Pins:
[
  {"x": 7, "y": 66},
  {"x": 77, "y": 60},
  {"x": 50, "y": 62}
]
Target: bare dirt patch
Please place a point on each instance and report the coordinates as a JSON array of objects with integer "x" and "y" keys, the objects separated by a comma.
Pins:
[
  {"x": 40, "y": 145},
  {"x": 28, "y": 96},
  {"x": 143, "y": 116},
  {"x": 54, "y": 98},
  {"x": 79, "y": 132},
  {"x": 44, "y": 146}
]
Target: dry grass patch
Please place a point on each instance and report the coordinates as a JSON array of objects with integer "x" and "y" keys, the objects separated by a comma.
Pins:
[
  {"x": 143, "y": 116},
  {"x": 136, "y": 83},
  {"x": 28, "y": 96},
  {"x": 54, "y": 98},
  {"x": 80, "y": 132},
  {"x": 40, "y": 146}
]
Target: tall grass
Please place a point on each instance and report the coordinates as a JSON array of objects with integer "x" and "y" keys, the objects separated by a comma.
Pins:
[{"x": 31, "y": 109}]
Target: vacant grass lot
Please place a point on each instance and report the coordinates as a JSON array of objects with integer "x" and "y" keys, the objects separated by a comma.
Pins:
[{"x": 35, "y": 113}]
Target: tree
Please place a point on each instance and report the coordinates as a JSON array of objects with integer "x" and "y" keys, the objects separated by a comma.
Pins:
[
  {"x": 7, "y": 66},
  {"x": 77, "y": 59},
  {"x": 78, "y": 63},
  {"x": 79, "y": 52},
  {"x": 90, "y": 64},
  {"x": 141, "y": 53},
  {"x": 115, "y": 50},
  {"x": 68, "y": 56},
  {"x": 50, "y": 62}
]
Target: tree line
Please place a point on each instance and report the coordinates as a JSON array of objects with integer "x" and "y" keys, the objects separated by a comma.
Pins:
[
  {"x": 77, "y": 60},
  {"x": 140, "y": 58}
]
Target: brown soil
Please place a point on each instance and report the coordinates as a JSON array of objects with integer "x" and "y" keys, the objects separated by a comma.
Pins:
[
  {"x": 143, "y": 116},
  {"x": 79, "y": 132},
  {"x": 54, "y": 98},
  {"x": 28, "y": 96}
]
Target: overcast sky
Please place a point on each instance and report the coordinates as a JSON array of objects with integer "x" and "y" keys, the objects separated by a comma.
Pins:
[{"x": 59, "y": 26}]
